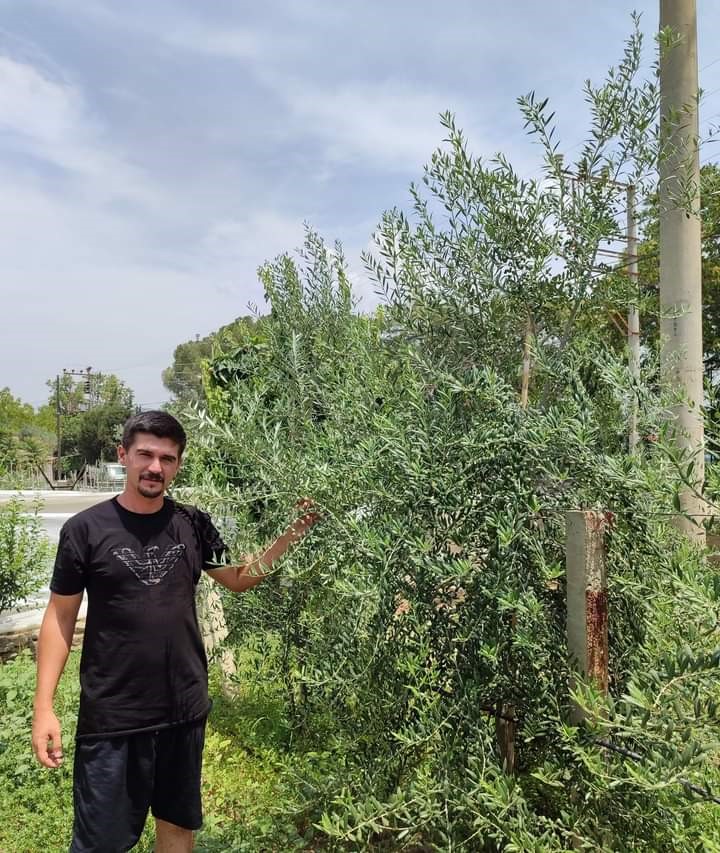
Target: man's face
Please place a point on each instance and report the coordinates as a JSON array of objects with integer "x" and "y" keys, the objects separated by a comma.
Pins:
[{"x": 151, "y": 464}]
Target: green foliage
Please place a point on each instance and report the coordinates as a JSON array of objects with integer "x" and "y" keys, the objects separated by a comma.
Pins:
[
  {"x": 184, "y": 377},
  {"x": 100, "y": 431},
  {"x": 649, "y": 266},
  {"x": 24, "y": 442},
  {"x": 35, "y": 805},
  {"x": 23, "y": 552},
  {"x": 434, "y": 591},
  {"x": 432, "y": 598},
  {"x": 14, "y": 414},
  {"x": 433, "y": 595},
  {"x": 489, "y": 258},
  {"x": 93, "y": 410},
  {"x": 250, "y": 803}
]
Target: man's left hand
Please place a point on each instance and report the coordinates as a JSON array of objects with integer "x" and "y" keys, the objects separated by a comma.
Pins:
[{"x": 308, "y": 519}]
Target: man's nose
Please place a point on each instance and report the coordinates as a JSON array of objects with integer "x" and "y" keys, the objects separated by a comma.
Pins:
[{"x": 155, "y": 466}]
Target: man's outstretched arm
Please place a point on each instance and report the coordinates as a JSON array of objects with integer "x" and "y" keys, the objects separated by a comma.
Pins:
[
  {"x": 54, "y": 642},
  {"x": 249, "y": 574}
]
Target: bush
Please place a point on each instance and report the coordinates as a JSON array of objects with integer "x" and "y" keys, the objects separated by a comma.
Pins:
[
  {"x": 24, "y": 551},
  {"x": 431, "y": 602},
  {"x": 433, "y": 594}
]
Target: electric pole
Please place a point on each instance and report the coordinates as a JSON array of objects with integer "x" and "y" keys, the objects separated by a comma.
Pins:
[
  {"x": 87, "y": 383},
  {"x": 86, "y": 376},
  {"x": 680, "y": 245},
  {"x": 58, "y": 426}
]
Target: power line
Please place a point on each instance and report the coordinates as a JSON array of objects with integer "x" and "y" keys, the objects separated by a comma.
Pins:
[
  {"x": 706, "y": 95},
  {"x": 710, "y": 64}
]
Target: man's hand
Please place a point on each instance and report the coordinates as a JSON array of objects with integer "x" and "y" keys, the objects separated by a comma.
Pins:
[
  {"x": 46, "y": 741},
  {"x": 254, "y": 569},
  {"x": 310, "y": 517}
]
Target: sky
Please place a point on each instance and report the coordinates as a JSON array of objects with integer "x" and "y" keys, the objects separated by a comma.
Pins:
[{"x": 154, "y": 154}]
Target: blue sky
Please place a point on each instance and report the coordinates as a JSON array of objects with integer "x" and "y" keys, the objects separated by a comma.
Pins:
[{"x": 154, "y": 154}]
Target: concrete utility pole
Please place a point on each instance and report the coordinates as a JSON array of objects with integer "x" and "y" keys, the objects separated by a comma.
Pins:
[
  {"x": 587, "y": 597},
  {"x": 86, "y": 376},
  {"x": 58, "y": 426},
  {"x": 633, "y": 321},
  {"x": 680, "y": 244}
]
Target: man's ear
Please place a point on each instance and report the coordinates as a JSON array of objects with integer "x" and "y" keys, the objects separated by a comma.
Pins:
[{"x": 121, "y": 454}]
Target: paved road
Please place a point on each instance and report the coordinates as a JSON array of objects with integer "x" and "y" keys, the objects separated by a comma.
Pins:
[
  {"x": 56, "y": 508},
  {"x": 58, "y": 501}
]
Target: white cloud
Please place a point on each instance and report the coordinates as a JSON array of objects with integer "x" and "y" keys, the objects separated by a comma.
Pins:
[
  {"x": 235, "y": 247},
  {"x": 265, "y": 232},
  {"x": 42, "y": 110},
  {"x": 390, "y": 123},
  {"x": 85, "y": 287},
  {"x": 49, "y": 120},
  {"x": 228, "y": 43},
  {"x": 387, "y": 124},
  {"x": 232, "y": 250}
]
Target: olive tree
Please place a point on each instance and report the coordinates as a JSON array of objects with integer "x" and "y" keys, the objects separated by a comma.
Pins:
[{"x": 429, "y": 608}]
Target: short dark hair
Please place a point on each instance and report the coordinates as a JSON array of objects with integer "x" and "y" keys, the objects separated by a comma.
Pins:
[{"x": 157, "y": 423}]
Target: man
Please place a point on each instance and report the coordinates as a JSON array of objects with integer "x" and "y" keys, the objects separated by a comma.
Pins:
[{"x": 143, "y": 672}]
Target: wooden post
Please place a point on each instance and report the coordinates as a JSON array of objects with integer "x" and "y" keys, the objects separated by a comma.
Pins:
[
  {"x": 505, "y": 735},
  {"x": 587, "y": 597}
]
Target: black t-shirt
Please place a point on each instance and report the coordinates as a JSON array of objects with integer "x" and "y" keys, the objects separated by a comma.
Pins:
[{"x": 143, "y": 664}]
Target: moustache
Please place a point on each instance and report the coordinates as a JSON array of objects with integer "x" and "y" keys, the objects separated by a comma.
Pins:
[{"x": 155, "y": 478}]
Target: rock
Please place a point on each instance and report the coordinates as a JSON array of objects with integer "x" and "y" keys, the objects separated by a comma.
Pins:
[{"x": 13, "y": 642}]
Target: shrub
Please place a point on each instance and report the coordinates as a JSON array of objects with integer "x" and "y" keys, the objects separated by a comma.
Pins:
[
  {"x": 431, "y": 603},
  {"x": 24, "y": 551},
  {"x": 433, "y": 594}
]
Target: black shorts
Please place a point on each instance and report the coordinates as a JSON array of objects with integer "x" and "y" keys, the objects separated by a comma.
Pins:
[{"x": 116, "y": 780}]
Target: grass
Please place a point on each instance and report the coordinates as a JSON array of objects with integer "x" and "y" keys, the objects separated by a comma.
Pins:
[
  {"x": 248, "y": 801},
  {"x": 255, "y": 778}
]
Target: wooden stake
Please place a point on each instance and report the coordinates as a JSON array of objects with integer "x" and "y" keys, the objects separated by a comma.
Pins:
[{"x": 505, "y": 734}]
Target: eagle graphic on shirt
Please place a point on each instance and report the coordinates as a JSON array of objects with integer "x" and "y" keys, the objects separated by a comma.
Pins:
[{"x": 150, "y": 566}]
